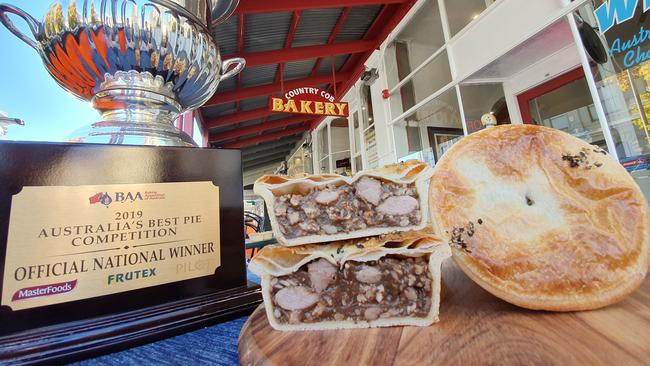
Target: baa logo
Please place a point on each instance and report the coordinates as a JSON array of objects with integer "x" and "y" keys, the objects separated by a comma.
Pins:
[
  {"x": 102, "y": 197},
  {"x": 105, "y": 199}
]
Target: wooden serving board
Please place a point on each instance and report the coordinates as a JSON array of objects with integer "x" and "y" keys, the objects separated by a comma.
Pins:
[{"x": 475, "y": 328}]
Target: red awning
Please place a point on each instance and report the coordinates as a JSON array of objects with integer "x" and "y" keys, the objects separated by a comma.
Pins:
[{"x": 302, "y": 38}]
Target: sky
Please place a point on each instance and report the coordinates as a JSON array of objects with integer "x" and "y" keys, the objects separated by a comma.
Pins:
[{"x": 28, "y": 92}]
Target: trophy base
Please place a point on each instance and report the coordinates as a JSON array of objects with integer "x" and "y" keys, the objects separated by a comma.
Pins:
[
  {"x": 72, "y": 341},
  {"x": 132, "y": 133}
]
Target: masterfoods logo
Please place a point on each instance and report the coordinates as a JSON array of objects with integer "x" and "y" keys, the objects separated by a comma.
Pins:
[{"x": 44, "y": 290}]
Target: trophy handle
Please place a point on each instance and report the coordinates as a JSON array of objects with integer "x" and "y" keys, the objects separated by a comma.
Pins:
[
  {"x": 34, "y": 25},
  {"x": 240, "y": 64}
]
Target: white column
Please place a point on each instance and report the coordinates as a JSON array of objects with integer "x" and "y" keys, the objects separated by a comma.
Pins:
[
  {"x": 600, "y": 111},
  {"x": 461, "y": 110},
  {"x": 329, "y": 145}
]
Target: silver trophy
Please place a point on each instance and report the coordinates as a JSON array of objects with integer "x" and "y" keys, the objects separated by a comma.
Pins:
[{"x": 141, "y": 63}]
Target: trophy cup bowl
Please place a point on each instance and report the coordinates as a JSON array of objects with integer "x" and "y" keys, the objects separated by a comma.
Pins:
[{"x": 141, "y": 63}]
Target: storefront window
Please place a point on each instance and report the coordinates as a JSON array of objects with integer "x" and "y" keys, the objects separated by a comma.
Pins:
[
  {"x": 342, "y": 163},
  {"x": 356, "y": 131},
  {"x": 325, "y": 165},
  {"x": 624, "y": 86},
  {"x": 334, "y": 147},
  {"x": 438, "y": 120},
  {"x": 461, "y": 13},
  {"x": 480, "y": 99},
  {"x": 626, "y": 100},
  {"x": 441, "y": 118},
  {"x": 368, "y": 125},
  {"x": 569, "y": 108},
  {"x": 324, "y": 141},
  {"x": 300, "y": 162},
  {"x": 323, "y": 148},
  {"x": 425, "y": 82},
  {"x": 340, "y": 143},
  {"x": 420, "y": 38},
  {"x": 367, "y": 112},
  {"x": 356, "y": 139}
]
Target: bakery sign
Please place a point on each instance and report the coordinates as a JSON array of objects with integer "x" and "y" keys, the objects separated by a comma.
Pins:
[
  {"x": 626, "y": 27},
  {"x": 309, "y": 100}
]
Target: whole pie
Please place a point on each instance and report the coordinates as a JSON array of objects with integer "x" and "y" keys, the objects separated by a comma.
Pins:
[{"x": 541, "y": 219}]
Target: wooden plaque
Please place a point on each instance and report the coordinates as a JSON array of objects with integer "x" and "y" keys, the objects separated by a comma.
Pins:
[{"x": 104, "y": 247}]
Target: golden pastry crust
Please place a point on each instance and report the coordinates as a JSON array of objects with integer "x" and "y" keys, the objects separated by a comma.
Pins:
[
  {"x": 542, "y": 219},
  {"x": 405, "y": 172},
  {"x": 277, "y": 260}
]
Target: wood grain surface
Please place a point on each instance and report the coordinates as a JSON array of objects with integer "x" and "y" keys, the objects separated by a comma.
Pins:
[{"x": 475, "y": 328}]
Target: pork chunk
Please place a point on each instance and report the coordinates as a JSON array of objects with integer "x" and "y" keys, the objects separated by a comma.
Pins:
[
  {"x": 327, "y": 197},
  {"x": 369, "y": 189},
  {"x": 295, "y": 298},
  {"x": 321, "y": 274},
  {"x": 368, "y": 274},
  {"x": 398, "y": 205}
]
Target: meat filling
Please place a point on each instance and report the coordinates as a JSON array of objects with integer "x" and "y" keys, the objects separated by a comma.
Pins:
[
  {"x": 393, "y": 286},
  {"x": 368, "y": 203}
]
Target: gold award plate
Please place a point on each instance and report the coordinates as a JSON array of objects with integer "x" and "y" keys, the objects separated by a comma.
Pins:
[{"x": 68, "y": 243}]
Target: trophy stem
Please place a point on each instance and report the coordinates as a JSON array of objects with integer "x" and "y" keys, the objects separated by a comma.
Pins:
[{"x": 136, "y": 109}]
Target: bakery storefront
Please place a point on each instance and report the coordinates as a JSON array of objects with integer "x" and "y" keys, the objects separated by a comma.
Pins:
[
  {"x": 368, "y": 182},
  {"x": 449, "y": 64}
]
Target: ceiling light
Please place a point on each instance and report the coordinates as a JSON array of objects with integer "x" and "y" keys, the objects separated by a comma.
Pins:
[{"x": 475, "y": 16}]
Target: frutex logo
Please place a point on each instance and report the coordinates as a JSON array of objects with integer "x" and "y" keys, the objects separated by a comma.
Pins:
[
  {"x": 106, "y": 199},
  {"x": 615, "y": 12}
]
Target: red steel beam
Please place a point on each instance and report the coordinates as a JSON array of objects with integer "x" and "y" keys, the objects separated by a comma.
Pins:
[
  {"x": 266, "y": 137},
  {"x": 240, "y": 37},
  {"x": 270, "y": 6},
  {"x": 295, "y": 19},
  {"x": 300, "y": 53},
  {"x": 387, "y": 19},
  {"x": 265, "y": 126},
  {"x": 384, "y": 23},
  {"x": 332, "y": 37},
  {"x": 240, "y": 49},
  {"x": 233, "y": 118},
  {"x": 268, "y": 89},
  {"x": 279, "y": 73}
]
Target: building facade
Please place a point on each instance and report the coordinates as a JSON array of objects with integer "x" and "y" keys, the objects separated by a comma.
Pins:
[{"x": 450, "y": 63}]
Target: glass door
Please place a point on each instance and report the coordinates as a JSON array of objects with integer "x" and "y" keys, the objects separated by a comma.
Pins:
[{"x": 564, "y": 103}]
